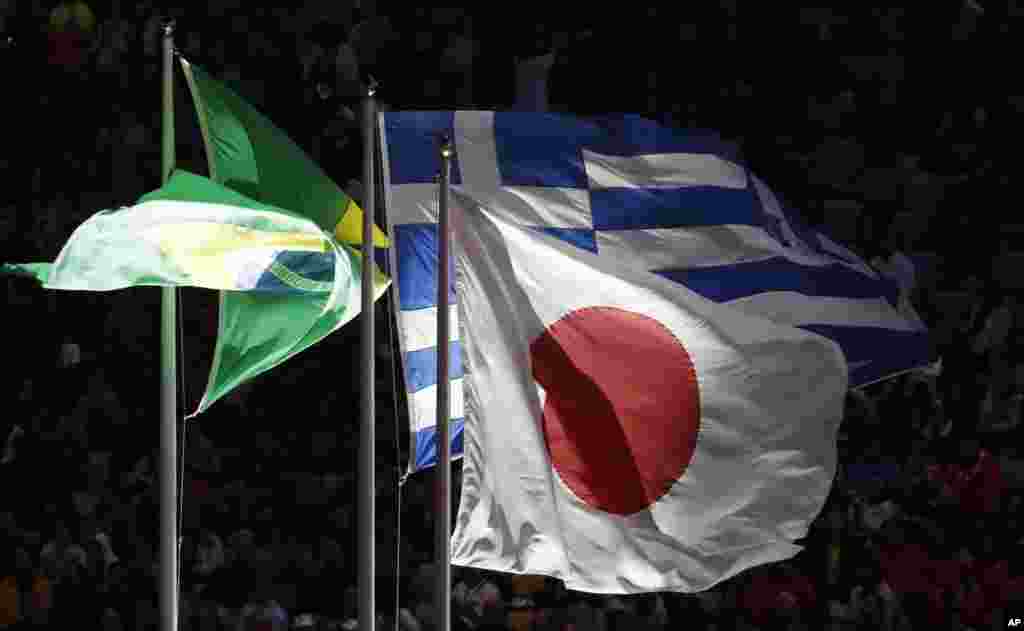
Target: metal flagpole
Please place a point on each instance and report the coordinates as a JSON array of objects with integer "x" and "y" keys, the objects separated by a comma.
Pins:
[
  {"x": 168, "y": 380},
  {"x": 442, "y": 472},
  {"x": 367, "y": 437}
]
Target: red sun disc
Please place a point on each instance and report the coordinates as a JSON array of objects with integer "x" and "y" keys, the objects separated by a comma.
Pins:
[{"x": 623, "y": 407}]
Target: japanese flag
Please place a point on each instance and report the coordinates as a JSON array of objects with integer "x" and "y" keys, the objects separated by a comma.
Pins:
[{"x": 623, "y": 433}]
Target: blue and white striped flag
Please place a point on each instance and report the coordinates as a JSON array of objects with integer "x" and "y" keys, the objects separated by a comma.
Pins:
[{"x": 627, "y": 188}]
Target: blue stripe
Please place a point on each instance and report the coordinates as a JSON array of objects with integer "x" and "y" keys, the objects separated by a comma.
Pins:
[
  {"x": 583, "y": 238},
  {"x": 635, "y": 209},
  {"x": 416, "y": 251},
  {"x": 888, "y": 350},
  {"x": 421, "y": 366},
  {"x": 412, "y": 139},
  {"x": 632, "y": 135},
  {"x": 729, "y": 282},
  {"x": 541, "y": 149},
  {"x": 426, "y": 444}
]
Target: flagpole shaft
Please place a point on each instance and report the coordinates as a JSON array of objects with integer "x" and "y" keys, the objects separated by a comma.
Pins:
[
  {"x": 168, "y": 380},
  {"x": 442, "y": 473},
  {"x": 367, "y": 461}
]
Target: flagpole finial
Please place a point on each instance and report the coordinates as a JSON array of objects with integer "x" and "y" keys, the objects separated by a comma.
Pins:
[
  {"x": 169, "y": 25},
  {"x": 371, "y": 86},
  {"x": 446, "y": 146}
]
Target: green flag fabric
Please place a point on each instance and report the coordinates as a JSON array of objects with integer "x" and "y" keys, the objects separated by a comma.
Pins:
[
  {"x": 289, "y": 283},
  {"x": 247, "y": 153}
]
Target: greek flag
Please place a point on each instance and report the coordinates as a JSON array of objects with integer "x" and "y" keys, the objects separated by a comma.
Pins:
[{"x": 670, "y": 201}]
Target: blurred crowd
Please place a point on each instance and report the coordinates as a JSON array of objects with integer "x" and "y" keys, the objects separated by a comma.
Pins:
[{"x": 882, "y": 125}]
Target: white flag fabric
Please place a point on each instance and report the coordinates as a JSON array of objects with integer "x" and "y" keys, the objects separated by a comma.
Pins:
[{"x": 623, "y": 433}]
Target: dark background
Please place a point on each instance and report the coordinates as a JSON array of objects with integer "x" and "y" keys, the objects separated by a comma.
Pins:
[{"x": 889, "y": 127}]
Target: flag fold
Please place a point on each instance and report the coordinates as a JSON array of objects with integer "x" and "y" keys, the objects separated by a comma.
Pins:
[
  {"x": 292, "y": 281},
  {"x": 248, "y": 153}
]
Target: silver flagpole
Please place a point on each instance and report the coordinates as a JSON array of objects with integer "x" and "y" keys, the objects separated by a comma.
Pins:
[
  {"x": 442, "y": 472},
  {"x": 367, "y": 438},
  {"x": 168, "y": 380}
]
